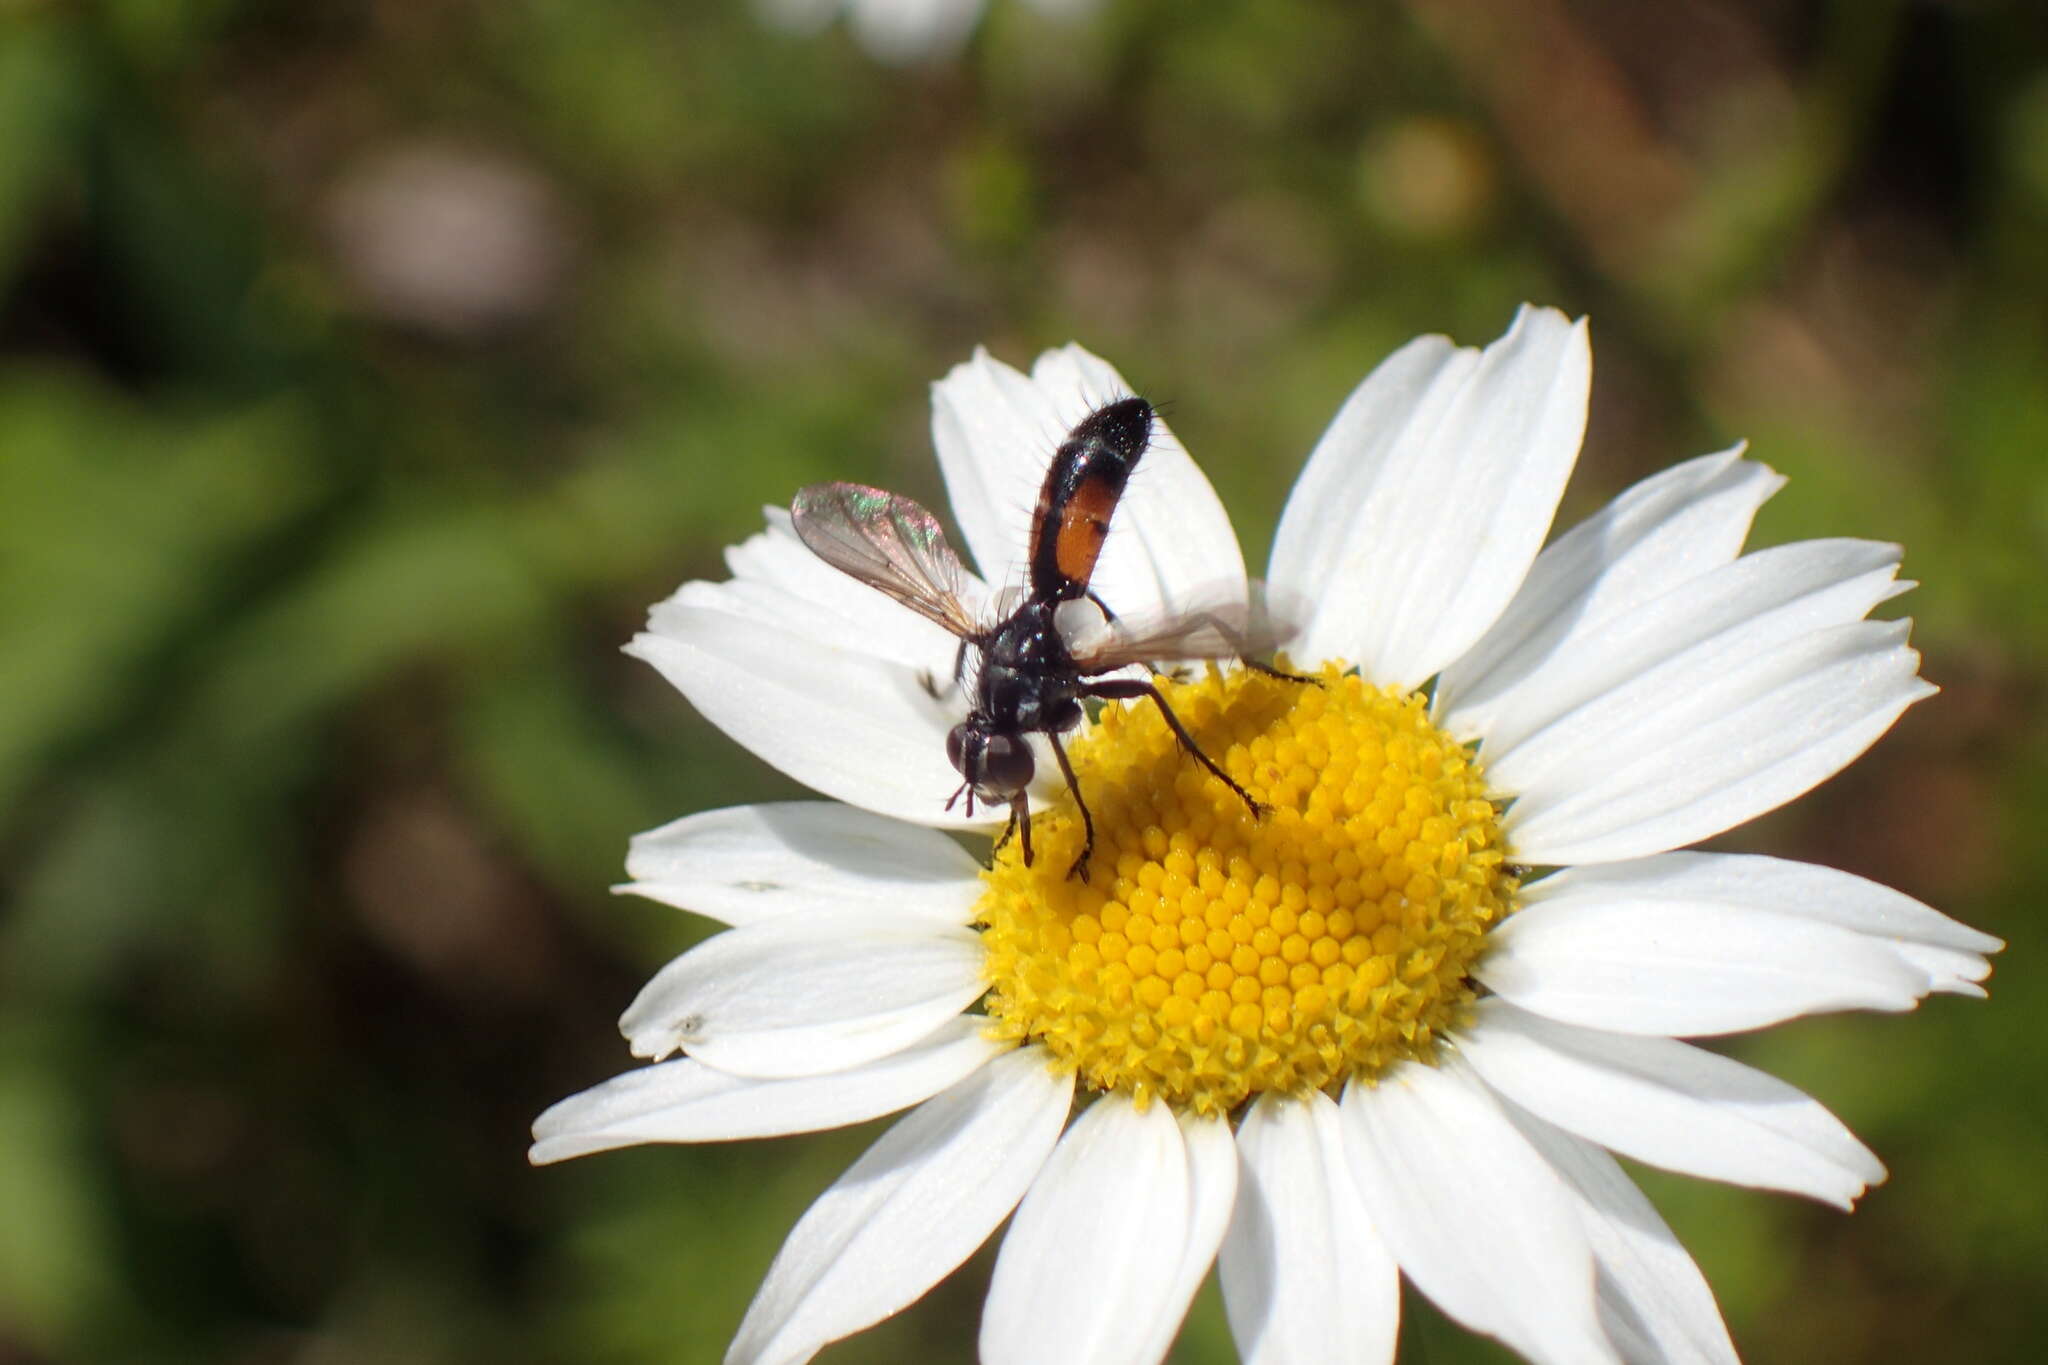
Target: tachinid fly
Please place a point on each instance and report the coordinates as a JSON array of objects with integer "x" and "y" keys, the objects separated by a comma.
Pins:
[{"x": 1031, "y": 679}]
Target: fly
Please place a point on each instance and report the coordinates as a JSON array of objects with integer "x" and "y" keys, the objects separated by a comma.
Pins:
[{"x": 1031, "y": 679}]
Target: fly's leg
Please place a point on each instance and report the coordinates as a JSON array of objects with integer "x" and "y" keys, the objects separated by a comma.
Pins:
[
  {"x": 1255, "y": 666},
  {"x": 1080, "y": 867},
  {"x": 1211, "y": 618},
  {"x": 1124, "y": 689},
  {"x": 1019, "y": 824},
  {"x": 930, "y": 683}
]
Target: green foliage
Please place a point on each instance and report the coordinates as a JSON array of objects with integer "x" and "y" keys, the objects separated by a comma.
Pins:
[{"x": 366, "y": 370}]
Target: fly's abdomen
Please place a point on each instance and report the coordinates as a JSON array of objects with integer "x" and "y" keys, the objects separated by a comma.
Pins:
[{"x": 1081, "y": 491}]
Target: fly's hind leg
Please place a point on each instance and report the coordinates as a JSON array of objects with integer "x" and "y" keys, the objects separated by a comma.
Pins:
[
  {"x": 1255, "y": 666},
  {"x": 1124, "y": 689},
  {"x": 1238, "y": 635}
]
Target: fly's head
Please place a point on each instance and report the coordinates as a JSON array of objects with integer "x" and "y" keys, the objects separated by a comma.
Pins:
[{"x": 995, "y": 764}]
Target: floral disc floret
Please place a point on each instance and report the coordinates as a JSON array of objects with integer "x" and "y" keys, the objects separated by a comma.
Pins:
[{"x": 1210, "y": 956}]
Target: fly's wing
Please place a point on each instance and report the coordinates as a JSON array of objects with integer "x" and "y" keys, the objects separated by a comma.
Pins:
[
  {"x": 889, "y": 543},
  {"x": 1224, "y": 629},
  {"x": 1181, "y": 637}
]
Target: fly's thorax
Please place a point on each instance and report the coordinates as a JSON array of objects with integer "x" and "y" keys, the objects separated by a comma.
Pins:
[
  {"x": 1027, "y": 680},
  {"x": 1028, "y": 638}
]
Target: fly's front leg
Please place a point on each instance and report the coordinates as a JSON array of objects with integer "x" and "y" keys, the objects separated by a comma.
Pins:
[
  {"x": 1124, "y": 689},
  {"x": 1019, "y": 825},
  {"x": 927, "y": 680},
  {"x": 1080, "y": 867}
]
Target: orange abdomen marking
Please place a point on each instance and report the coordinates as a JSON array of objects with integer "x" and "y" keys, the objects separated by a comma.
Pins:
[
  {"x": 1083, "y": 526},
  {"x": 1080, "y": 494}
]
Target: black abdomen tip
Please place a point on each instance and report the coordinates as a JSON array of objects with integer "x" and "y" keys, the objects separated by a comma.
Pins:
[{"x": 1125, "y": 426}]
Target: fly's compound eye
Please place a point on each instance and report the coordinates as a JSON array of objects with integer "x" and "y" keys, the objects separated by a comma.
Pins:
[
  {"x": 996, "y": 766},
  {"x": 1006, "y": 766}
]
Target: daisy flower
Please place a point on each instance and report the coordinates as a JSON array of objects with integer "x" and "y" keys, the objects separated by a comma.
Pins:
[
  {"x": 1397, "y": 1024},
  {"x": 902, "y": 31}
]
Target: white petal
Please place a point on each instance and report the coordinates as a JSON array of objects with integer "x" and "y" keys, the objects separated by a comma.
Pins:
[
  {"x": 996, "y": 429},
  {"x": 908, "y": 1212},
  {"x": 1306, "y": 1280},
  {"x": 994, "y": 434},
  {"x": 1212, "y": 1194},
  {"x": 1667, "y": 529},
  {"x": 1670, "y": 1104},
  {"x": 808, "y": 994},
  {"x": 745, "y": 864},
  {"x": 1093, "y": 1264},
  {"x": 687, "y": 1101},
  {"x": 1706, "y": 753},
  {"x": 1450, "y": 467},
  {"x": 1951, "y": 955},
  {"x": 1654, "y": 1302},
  {"x": 1708, "y": 627},
  {"x": 1656, "y": 950},
  {"x": 1408, "y": 388},
  {"x": 1475, "y": 1216},
  {"x": 851, "y": 726},
  {"x": 779, "y": 582}
]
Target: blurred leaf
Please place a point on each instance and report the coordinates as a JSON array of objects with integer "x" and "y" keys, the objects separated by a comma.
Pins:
[
  {"x": 565, "y": 787},
  {"x": 399, "y": 588},
  {"x": 43, "y": 100},
  {"x": 118, "y": 532},
  {"x": 679, "y": 1241},
  {"x": 55, "y": 1247}
]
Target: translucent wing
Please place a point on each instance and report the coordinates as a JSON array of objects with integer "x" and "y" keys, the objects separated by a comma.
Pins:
[
  {"x": 889, "y": 543},
  {"x": 1224, "y": 630}
]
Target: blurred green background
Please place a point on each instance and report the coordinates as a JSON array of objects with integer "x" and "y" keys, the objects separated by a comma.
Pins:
[{"x": 367, "y": 366}]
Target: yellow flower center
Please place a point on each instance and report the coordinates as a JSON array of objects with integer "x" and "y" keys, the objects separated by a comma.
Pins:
[{"x": 1211, "y": 956}]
